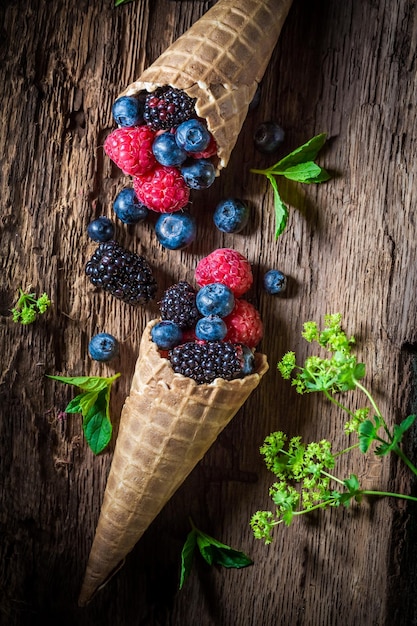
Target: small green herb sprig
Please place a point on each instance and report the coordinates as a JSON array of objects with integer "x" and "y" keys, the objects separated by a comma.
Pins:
[
  {"x": 298, "y": 166},
  {"x": 213, "y": 552},
  {"x": 93, "y": 403},
  {"x": 28, "y": 307},
  {"x": 304, "y": 472}
]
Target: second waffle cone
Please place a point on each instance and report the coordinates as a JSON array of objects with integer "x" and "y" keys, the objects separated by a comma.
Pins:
[
  {"x": 168, "y": 423},
  {"x": 220, "y": 61}
]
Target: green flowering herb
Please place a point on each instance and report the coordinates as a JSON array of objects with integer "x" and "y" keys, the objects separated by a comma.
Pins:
[
  {"x": 305, "y": 473},
  {"x": 28, "y": 307}
]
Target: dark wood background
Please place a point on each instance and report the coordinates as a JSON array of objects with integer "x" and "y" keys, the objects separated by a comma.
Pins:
[{"x": 346, "y": 68}]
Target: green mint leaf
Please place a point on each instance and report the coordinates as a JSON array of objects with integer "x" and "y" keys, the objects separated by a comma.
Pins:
[
  {"x": 96, "y": 424},
  {"x": 281, "y": 211},
  {"x": 301, "y": 173},
  {"x": 215, "y": 552},
  {"x": 82, "y": 403},
  {"x": 306, "y": 152},
  {"x": 406, "y": 423},
  {"x": 359, "y": 371},
  {"x": 187, "y": 556},
  {"x": 86, "y": 383}
]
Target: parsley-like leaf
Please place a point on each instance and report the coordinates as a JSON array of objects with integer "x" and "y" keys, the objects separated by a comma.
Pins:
[
  {"x": 93, "y": 403},
  {"x": 187, "y": 556}
]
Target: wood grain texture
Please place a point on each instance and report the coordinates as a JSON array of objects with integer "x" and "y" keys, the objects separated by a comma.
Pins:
[{"x": 347, "y": 68}]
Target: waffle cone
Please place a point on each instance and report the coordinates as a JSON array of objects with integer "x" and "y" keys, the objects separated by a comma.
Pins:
[
  {"x": 220, "y": 61},
  {"x": 168, "y": 423}
]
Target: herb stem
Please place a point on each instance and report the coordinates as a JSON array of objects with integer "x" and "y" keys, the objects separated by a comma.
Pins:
[
  {"x": 406, "y": 460},
  {"x": 338, "y": 404},
  {"x": 368, "y": 492}
]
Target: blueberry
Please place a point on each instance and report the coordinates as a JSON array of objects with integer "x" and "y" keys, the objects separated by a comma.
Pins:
[
  {"x": 167, "y": 151},
  {"x": 248, "y": 366},
  {"x": 275, "y": 282},
  {"x": 166, "y": 334},
  {"x": 175, "y": 230},
  {"x": 198, "y": 174},
  {"x": 211, "y": 328},
  {"x": 231, "y": 215},
  {"x": 128, "y": 208},
  {"x": 268, "y": 137},
  {"x": 254, "y": 103},
  {"x": 103, "y": 347},
  {"x": 192, "y": 136},
  {"x": 215, "y": 299},
  {"x": 101, "y": 229},
  {"x": 128, "y": 111}
]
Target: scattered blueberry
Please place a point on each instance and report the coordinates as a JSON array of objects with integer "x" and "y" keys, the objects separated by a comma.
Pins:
[
  {"x": 211, "y": 328},
  {"x": 175, "y": 230},
  {"x": 231, "y": 215},
  {"x": 275, "y": 282},
  {"x": 192, "y": 136},
  {"x": 166, "y": 334},
  {"x": 198, "y": 174},
  {"x": 128, "y": 111},
  {"x": 248, "y": 366},
  {"x": 128, "y": 208},
  {"x": 268, "y": 137},
  {"x": 103, "y": 347},
  {"x": 254, "y": 103},
  {"x": 167, "y": 151},
  {"x": 215, "y": 299},
  {"x": 101, "y": 229}
]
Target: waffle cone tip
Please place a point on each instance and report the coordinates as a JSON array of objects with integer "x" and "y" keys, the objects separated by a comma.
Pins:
[{"x": 168, "y": 423}]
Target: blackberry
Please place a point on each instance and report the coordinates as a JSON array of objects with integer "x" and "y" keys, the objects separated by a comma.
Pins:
[
  {"x": 124, "y": 274},
  {"x": 206, "y": 361},
  {"x": 166, "y": 108},
  {"x": 178, "y": 304}
]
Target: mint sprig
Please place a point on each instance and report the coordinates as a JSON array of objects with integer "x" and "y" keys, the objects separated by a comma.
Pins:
[
  {"x": 28, "y": 307},
  {"x": 298, "y": 166},
  {"x": 213, "y": 552},
  {"x": 94, "y": 404}
]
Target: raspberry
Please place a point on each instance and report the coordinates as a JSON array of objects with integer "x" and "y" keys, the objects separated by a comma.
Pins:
[
  {"x": 225, "y": 266},
  {"x": 205, "y": 361},
  {"x": 162, "y": 190},
  {"x": 166, "y": 108},
  {"x": 244, "y": 324},
  {"x": 131, "y": 149}
]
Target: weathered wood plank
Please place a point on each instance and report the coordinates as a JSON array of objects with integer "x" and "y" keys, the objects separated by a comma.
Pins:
[{"x": 345, "y": 68}]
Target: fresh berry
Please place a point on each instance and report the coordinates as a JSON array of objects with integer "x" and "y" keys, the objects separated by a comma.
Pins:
[
  {"x": 198, "y": 174},
  {"x": 162, "y": 190},
  {"x": 128, "y": 111},
  {"x": 166, "y": 335},
  {"x": 131, "y": 149},
  {"x": 254, "y": 103},
  {"x": 268, "y": 137},
  {"x": 124, "y": 274},
  {"x": 178, "y": 304},
  {"x": 175, "y": 231},
  {"x": 206, "y": 361},
  {"x": 244, "y": 324},
  {"x": 101, "y": 229},
  {"x": 211, "y": 328},
  {"x": 166, "y": 108},
  {"x": 210, "y": 151},
  {"x": 192, "y": 136},
  {"x": 248, "y": 366},
  {"x": 128, "y": 208},
  {"x": 225, "y": 266},
  {"x": 103, "y": 347},
  {"x": 167, "y": 151},
  {"x": 215, "y": 299},
  {"x": 231, "y": 215},
  {"x": 275, "y": 282}
]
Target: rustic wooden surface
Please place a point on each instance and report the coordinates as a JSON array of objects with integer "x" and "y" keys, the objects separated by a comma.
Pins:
[{"x": 347, "y": 68}]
